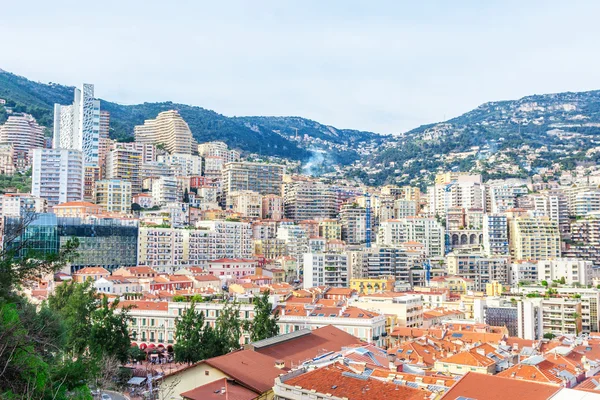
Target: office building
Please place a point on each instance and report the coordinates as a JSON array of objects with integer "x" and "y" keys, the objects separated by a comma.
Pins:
[
  {"x": 77, "y": 126},
  {"x": 114, "y": 195},
  {"x": 168, "y": 130},
  {"x": 57, "y": 175}
]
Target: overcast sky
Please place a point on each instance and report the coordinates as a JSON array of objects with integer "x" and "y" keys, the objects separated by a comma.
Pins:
[{"x": 384, "y": 66}]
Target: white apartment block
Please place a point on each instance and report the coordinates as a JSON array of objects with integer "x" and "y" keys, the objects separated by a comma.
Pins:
[
  {"x": 183, "y": 164},
  {"x": 523, "y": 271},
  {"x": 574, "y": 271},
  {"x": 533, "y": 238},
  {"x": 57, "y": 175},
  {"x": 19, "y": 204},
  {"x": 77, "y": 126},
  {"x": 257, "y": 177},
  {"x": 169, "y": 130},
  {"x": 220, "y": 150},
  {"x": 124, "y": 164},
  {"x": 407, "y": 307},
  {"x": 404, "y": 208},
  {"x": 353, "y": 220},
  {"x": 164, "y": 190},
  {"x": 329, "y": 269},
  {"x": 304, "y": 200},
  {"x": 426, "y": 231}
]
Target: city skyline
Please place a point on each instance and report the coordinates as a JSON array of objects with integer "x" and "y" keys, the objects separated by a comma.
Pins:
[{"x": 386, "y": 69}]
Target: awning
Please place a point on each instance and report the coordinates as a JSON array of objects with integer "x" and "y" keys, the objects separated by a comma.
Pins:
[{"x": 137, "y": 381}]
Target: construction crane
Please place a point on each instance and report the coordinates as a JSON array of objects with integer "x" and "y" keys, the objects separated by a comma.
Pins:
[
  {"x": 427, "y": 266},
  {"x": 368, "y": 222}
]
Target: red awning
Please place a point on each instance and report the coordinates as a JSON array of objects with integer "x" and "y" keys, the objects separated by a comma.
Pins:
[
  {"x": 133, "y": 344},
  {"x": 143, "y": 346}
]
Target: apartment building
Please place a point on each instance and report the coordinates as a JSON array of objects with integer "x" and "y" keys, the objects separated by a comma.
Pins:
[
  {"x": 366, "y": 325},
  {"x": 533, "y": 238},
  {"x": 523, "y": 271},
  {"x": 304, "y": 200},
  {"x": 232, "y": 268},
  {"x": 7, "y": 159},
  {"x": 561, "y": 315},
  {"x": 330, "y": 229},
  {"x": 585, "y": 239},
  {"x": 220, "y": 150},
  {"x": 183, "y": 164},
  {"x": 272, "y": 207},
  {"x": 427, "y": 231},
  {"x": 257, "y": 177},
  {"x": 168, "y": 130},
  {"x": 504, "y": 197},
  {"x": 325, "y": 269},
  {"x": 245, "y": 202},
  {"x": 270, "y": 248},
  {"x": 124, "y": 164},
  {"x": 586, "y": 202},
  {"x": 114, "y": 195},
  {"x": 77, "y": 126},
  {"x": 479, "y": 269},
  {"x": 57, "y": 175},
  {"x": 21, "y": 204},
  {"x": 404, "y": 208},
  {"x": 408, "y": 308},
  {"x": 575, "y": 272},
  {"x": 91, "y": 174},
  {"x": 24, "y": 134},
  {"x": 164, "y": 190},
  {"x": 495, "y": 235},
  {"x": 353, "y": 220}
]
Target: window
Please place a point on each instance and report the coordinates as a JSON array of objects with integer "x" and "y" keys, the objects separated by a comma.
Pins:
[{"x": 206, "y": 373}]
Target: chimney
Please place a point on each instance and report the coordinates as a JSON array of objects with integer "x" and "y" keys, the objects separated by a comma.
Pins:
[
  {"x": 279, "y": 364},
  {"x": 392, "y": 364},
  {"x": 420, "y": 360}
]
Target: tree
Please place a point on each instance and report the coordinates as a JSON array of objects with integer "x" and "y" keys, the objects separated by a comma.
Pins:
[
  {"x": 545, "y": 283},
  {"x": 264, "y": 325},
  {"x": 109, "y": 335},
  {"x": 75, "y": 303},
  {"x": 186, "y": 196},
  {"x": 562, "y": 280},
  {"x": 136, "y": 354},
  {"x": 135, "y": 207},
  {"x": 548, "y": 336},
  {"x": 188, "y": 335},
  {"x": 228, "y": 328}
]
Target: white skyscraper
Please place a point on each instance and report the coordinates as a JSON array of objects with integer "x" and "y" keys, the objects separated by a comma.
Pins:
[{"x": 77, "y": 126}]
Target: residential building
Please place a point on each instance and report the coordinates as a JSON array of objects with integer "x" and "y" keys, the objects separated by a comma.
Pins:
[
  {"x": 353, "y": 220},
  {"x": 523, "y": 272},
  {"x": 329, "y": 269},
  {"x": 91, "y": 174},
  {"x": 373, "y": 285},
  {"x": 114, "y": 195},
  {"x": 404, "y": 208},
  {"x": 77, "y": 209},
  {"x": 532, "y": 238},
  {"x": 164, "y": 190},
  {"x": 218, "y": 149},
  {"x": 561, "y": 316},
  {"x": 257, "y": 177},
  {"x": 7, "y": 159},
  {"x": 245, "y": 202},
  {"x": 90, "y": 273},
  {"x": 124, "y": 164},
  {"x": 330, "y": 229},
  {"x": 77, "y": 126},
  {"x": 232, "y": 268},
  {"x": 24, "y": 134},
  {"x": 479, "y": 269},
  {"x": 407, "y": 307},
  {"x": 272, "y": 207},
  {"x": 574, "y": 272},
  {"x": 21, "y": 204},
  {"x": 183, "y": 164},
  {"x": 307, "y": 200},
  {"x": 169, "y": 130},
  {"x": 495, "y": 235},
  {"x": 57, "y": 175},
  {"x": 427, "y": 231}
]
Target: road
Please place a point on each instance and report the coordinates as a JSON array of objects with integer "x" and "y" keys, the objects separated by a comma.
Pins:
[{"x": 115, "y": 395}]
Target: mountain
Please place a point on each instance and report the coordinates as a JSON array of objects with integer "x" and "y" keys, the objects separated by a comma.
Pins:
[
  {"x": 515, "y": 138},
  {"x": 270, "y": 136}
]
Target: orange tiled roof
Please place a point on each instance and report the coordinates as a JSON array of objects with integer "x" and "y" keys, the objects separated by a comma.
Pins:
[{"x": 92, "y": 271}]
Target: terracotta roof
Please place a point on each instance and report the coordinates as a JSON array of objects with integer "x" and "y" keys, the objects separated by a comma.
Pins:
[
  {"x": 300, "y": 349},
  {"x": 332, "y": 381},
  {"x": 252, "y": 369},
  {"x": 540, "y": 373},
  {"x": 76, "y": 204},
  {"x": 340, "y": 291},
  {"x": 231, "y": 260},
  {"x": 493, "y": 387},
  {"x": 471, "y": 358},
  {"x": 145, "y": 305},
  {"x": 206, "y": 278},
  {"x": 92, "y": 271},
  {"x": 212, "y": 391}
]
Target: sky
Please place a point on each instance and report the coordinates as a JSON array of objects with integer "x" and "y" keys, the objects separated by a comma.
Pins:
[{"x": 382, "y": 66}]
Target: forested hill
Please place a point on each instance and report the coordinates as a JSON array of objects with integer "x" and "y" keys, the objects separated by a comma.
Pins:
[{"x": 247, "y": 134}]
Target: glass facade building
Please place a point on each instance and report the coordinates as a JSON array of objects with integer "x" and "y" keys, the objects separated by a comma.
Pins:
[{"x": 109, "y": 243}]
